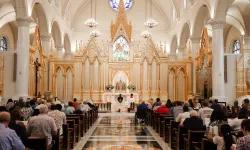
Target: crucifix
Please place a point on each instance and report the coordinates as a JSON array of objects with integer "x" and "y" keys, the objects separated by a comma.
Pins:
[{"x": 37, "y": 65}]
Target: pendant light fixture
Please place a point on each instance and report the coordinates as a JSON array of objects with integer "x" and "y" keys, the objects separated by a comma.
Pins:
[
  {"x": 145, "y": 33},
  {"x": 95, "y": 33},
  {"x": 91, "y": 22},
  {"x": 150, "y": 22}
]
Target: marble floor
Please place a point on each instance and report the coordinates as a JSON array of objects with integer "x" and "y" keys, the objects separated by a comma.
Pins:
[{"x": 118, "y": 131}]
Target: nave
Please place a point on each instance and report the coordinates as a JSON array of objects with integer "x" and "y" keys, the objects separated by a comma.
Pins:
[{"x": 118, "y": 131}]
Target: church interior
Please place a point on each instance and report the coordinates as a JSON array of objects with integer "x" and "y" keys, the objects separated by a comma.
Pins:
[{"x": 140, "y": 50}]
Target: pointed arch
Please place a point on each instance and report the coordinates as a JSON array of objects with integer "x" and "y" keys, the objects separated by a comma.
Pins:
[
  {"x": 203, "y": 16},
  {"x": 56, "y": 33},
  {"x": 185, "y": 34},
  {"x": 40, "y": 16},
  {"x": 66, "y": 43},
  {"x": 173, "y": 44}
]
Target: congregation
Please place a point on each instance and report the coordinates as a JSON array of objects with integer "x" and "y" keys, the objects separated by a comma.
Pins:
[
  {"x": 222, "y": 127},
  {"x": 21, "y": 120}
]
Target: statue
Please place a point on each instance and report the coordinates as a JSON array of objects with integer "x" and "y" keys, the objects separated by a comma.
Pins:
[
  {"x": 120, "y": 98},
  {"x": 37, "y": 65}
]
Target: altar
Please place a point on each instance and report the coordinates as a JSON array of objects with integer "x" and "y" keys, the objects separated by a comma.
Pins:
[{"x": 115, "y": 105}]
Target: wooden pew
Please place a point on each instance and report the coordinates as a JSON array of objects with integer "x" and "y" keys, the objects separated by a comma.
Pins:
[
  {"x": 193, "y": 138},
  {"x": 180, "y": 134},
  {"x": 206, "y": 145},
  {"x": 166, "y": 129},
  {"x": 78, "y": 125},
  {"x": 39, "y": 143},
  {"x": 82, "y": 122},
  {"x": 73, "y": 134},
  {"x": 173, "y": 129},
  {"x": 66, "y": 136},
  {"x": 161, "y": 123},
  {"x": 58, "y": 141}
]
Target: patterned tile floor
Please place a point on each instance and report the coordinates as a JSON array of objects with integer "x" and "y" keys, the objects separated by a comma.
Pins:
[{"x": 120, "y": 133}]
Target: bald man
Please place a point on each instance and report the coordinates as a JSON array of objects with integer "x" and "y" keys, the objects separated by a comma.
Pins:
[{"x": 8, "y": 137}]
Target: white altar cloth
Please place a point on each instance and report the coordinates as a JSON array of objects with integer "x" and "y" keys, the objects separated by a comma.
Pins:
[{"x": 115, "y": 105}]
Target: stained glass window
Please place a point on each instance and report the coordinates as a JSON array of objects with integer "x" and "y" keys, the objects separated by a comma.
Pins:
[
  {"x": 236, "y": 47},
  {"x": 3, "y": 44},
  {"x": 121, "y": 50},
  {"x": 115, "y": 3}
]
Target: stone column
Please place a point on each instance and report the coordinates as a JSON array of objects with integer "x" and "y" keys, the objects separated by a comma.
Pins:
[
  {"x": 68, "y": 55},
  {"x": 22, "y": 79},
  {"x": 45, "y": 38},
  {"x": 195, "y": 43},
  {"x": 218, "y": 85},
  {"x": 59, "y": 49},
  {"x": 181, "y": 50}
]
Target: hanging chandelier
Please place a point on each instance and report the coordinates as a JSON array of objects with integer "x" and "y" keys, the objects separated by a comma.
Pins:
[
  {"x": 91, "y": 22},
  {"x": 95, "y": 33},
  {"x": 151, "y": 23},
  {"x": 146, "y": 34}
]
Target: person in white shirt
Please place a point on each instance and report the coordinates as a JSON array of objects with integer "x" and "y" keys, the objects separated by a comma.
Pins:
[
  {"x": 236, "y": 123},
  {"x": 182, "y": 116},
  {"x": 205, "y": 112},
  {"x": 58, "y": 116},
  {"x": 84, "y": 107}
]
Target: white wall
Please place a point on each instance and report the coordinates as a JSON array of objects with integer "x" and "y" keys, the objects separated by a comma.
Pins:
[{"x": 9, "y": 84}]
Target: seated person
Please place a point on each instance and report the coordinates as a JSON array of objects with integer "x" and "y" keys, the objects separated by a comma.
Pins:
[
  {"x": 243, "y": 143},
  {"x": 193, "y": 123},
  {"x": 42, "y": 125},
  {"x": 141, "y": 111},
  {"x": 215, "y": 105},
  {"x": 162, "y": 109},
  {"x": 157, "y": 104},
  {"x": 18, "y": 126},
  {"x": 217, "y": 119},
  {"x": 236, "y": 123},
  {"x": 225, "y": 140},
  {"x": 205, "y": 112},
  {"x": 177, "y": 109},
  {"x": 8, "y": 137},
  {"x": 58, "y": 116},
  {"x": 235, "y": 109},
  {"x": 184, "y": 115}
]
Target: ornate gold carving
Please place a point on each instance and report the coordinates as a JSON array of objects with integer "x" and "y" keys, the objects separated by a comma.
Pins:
[
  {"x": 121, "y": 25},
  {"x": 36, "y": 51},
  {"x": 204, "y": 67}
]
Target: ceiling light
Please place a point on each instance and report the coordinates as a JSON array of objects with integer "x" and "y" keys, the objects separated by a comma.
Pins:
[
  {"x": 95, "y": 33},
  {"x": 146, "y": 34},
  {"x": 151, "y": 23},
  {"x": 91, "y": 22}
]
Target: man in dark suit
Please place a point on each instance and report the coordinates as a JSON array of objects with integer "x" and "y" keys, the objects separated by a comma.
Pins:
[
  {"x": 215, "y": 105},
  {"x": 193, "y": 123}
]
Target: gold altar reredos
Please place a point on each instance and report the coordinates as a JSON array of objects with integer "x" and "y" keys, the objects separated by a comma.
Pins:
[{"x": 87, "y": 73}]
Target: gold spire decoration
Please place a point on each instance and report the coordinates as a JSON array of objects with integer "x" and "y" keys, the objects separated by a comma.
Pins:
[{"x": 121, "y": 20}]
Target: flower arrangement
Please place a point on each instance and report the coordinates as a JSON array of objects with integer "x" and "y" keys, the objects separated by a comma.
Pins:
[
  {"x": 131, "y": 87},
  {"x": 109, "y": 87}
]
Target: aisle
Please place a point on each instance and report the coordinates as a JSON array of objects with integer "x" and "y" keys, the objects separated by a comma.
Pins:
[{"x": 117, "y": 131}]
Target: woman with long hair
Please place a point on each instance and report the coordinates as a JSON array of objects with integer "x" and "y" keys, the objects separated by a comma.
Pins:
[
  {"x": 225, "y": 140},
  {"x": 18, "y": 126}
]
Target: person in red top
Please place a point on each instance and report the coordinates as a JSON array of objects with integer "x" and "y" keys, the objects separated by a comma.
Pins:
[
  {"x": 162, "y": 109},
  {"x": 75, "y": 103}
]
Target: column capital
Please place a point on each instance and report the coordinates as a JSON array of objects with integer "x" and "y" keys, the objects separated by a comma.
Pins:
[
  {"x": 194, "y": 39},
  {"x": 59, "y": 47},
  {"x": 181, "y": 48},
  {"x": 217, "y": 24},
  {"x": 24, "y": 21},
  {"x": 46, "y": 37}
]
